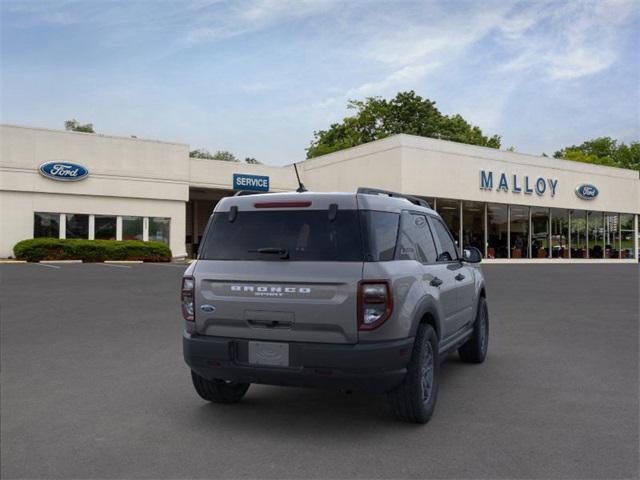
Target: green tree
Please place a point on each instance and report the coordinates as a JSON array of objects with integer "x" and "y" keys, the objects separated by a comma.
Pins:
[
  {"x": 75, "y": 126},
  {"x": 201, "y": 153},
  {"x": 252, "y": 161},
  {"x": 604, "y": 151},
  {"x": 225, "y": 156},
  {"x": 219, "y": 155},
  {"x": 377, "y": 118}
]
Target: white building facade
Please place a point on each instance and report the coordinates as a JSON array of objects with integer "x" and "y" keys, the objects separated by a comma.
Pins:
[{"x": 513, "y": 207}]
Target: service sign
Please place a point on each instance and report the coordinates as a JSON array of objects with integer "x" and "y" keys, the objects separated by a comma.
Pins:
[
  {"x": 586, "y": 191},
  {"x": 63, "y": 171},
  {"x": 254, "y": 183}
]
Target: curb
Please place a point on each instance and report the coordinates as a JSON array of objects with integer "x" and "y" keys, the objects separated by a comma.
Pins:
[
  {"x": 7, "y": 261},
  {"x": 60, "y": 261}
]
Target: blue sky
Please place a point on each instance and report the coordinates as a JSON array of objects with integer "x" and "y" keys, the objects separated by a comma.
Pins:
[{"x": 258, "y": 77}]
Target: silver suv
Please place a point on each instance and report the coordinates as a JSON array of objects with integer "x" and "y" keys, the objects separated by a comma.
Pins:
[{"x": 363, "y": 291}]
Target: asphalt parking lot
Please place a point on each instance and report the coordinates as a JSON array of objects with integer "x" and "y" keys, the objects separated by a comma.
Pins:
[{"x": 94, "y": 386}]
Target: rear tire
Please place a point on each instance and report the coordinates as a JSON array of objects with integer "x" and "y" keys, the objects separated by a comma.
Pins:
[
  {"x": 414, "y": 400},
  {"x": 475, "y": 349},
  {"x": 219, "y": 391}
]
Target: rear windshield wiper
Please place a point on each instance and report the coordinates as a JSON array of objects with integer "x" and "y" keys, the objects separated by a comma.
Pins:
[{"x": 283, "y": 252}]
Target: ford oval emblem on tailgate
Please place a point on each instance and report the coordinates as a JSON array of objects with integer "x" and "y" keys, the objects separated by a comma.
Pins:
[{"x": 208, "y": 308}]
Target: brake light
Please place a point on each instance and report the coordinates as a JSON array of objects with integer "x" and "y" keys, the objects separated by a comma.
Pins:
[
  {"x": 282, "y": 204},
  {"x": 375, "y": 303},
  {"x": 186, "y": 297}
]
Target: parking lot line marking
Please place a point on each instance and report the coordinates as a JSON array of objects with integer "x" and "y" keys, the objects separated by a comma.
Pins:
[
  {"x": 46, "y": 265},
  {"x": 113, "y": 265},
  {"x": 181, "y": 265}
]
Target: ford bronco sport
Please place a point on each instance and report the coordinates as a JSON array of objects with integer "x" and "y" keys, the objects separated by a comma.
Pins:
[{"x": 352, "y": 291}]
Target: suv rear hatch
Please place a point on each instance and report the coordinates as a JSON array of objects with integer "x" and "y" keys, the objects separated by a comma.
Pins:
[{"x": 281, "y": 267}]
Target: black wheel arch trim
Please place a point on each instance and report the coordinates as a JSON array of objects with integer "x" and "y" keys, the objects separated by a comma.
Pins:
[{"x": 427, "y": 310}]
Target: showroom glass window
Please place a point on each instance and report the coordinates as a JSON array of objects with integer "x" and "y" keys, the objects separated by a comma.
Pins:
[
  {"x": 132, "y": 228},
  {"x": 611, "y": 235},
  {"x": 578, "y": 234},
  {"x": 46, "y": 225},
  {"x": 449, "y": 210},
  {"x": 77, "y": 226},
  {"x": 473, "y": 225},
  {"x": 105, "y": 227},
  {"x": 539, "y": 232},
  {"x": 559, "y": 233},
  {"x": 596, "y": 235},
  {"x": 519, "y": 231},
  {"x": 626, "y": 235},
  {"x": 497, "y": 229},
  {"x": 159, "y": 229}
]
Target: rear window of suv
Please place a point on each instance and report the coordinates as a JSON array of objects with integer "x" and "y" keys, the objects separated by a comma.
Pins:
[{"x": 305, "y": 235}]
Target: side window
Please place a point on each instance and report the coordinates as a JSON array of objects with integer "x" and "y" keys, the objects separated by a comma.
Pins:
[
  {"x": 448, "y": 250},
  {"x": 380, "y": 234},
  {"x": 416, "y": 242}
]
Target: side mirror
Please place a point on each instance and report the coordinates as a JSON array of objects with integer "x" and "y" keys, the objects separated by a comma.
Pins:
[{"x": 471, "y": 255}]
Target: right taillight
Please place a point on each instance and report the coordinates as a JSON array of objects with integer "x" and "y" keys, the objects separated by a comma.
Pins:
[
  {"x": 186, "y": 298},
  {"x": 375, "y": 303}
]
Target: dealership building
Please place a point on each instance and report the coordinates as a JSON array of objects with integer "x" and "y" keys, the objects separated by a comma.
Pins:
[{"x": 514, "y": 207}]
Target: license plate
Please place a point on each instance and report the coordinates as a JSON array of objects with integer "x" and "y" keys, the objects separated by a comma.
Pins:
[{"x": 269, "y": 353}]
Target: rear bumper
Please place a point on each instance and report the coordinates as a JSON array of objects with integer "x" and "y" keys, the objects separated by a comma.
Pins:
[{"x": 371, "y": 367}]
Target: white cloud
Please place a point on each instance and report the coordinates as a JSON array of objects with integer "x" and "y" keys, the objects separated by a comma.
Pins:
[
  {"x": 564, "y": 41},
  {"x": 481, "y": 59},
  {"x": 246, "y": 17},
  {"x": 404, "y": 39},
  {"x": 400, "y": 79}
]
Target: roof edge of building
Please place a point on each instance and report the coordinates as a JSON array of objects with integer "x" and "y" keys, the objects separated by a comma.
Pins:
[
  {"x": 118, "y": 137},
  {"x": 373, "y": 145},
  {"x": 526, "y": 158},
  {"x": 428, "y": 143}
]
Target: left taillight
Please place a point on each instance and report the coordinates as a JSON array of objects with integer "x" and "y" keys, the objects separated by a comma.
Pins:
[
  {"x": 186, "y": 297},
  {"x": 375, "y": 303}
]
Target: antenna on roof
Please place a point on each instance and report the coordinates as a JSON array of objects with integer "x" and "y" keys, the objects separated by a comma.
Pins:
[{"x": 301, "y": 188}]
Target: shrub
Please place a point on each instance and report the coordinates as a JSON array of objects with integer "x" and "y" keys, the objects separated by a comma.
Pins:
[{"x": 36, "y": 249}]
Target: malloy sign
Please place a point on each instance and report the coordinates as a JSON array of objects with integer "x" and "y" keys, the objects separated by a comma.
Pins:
[{"x": 518, "y": 183}]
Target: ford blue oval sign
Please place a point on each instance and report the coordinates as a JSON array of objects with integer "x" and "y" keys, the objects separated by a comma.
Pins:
[
  {"x": 64, "y": 171},
  {"x": 586, "y": 191}
]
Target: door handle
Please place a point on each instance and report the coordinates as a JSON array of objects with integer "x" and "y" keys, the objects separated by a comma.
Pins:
[
  {"x": 436, "y": 282},
  {"x": 459, "y": 277}
]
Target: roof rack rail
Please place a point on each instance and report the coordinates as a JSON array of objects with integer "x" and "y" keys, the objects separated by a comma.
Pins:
[{"x": 378, "y": 191}]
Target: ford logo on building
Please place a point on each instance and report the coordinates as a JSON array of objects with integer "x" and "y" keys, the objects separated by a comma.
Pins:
[
  {"x": 586, "y": 191},
  {"x": 63, "y": 171}
]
